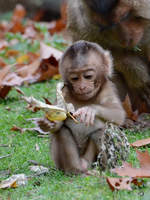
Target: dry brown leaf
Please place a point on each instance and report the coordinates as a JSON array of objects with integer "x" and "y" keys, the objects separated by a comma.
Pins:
[
  {"x": 18, "y": 15},
  {"x": 39, "y": 169},
  {"x": 47, "y": 70},
  {"x": 38, "y": 70},
  {"x": 60, "y": 24},
  {"x": 4, "y": 72},
  {"x": 144, "y": 159},
  {"x": 47, "y": 51},
  {"x": 43, "y": 125},
  {"x": 4, "y": 90},
  {"x": 143, "y": 172},
  {"x": 29, "y": 32},
  {"x": 16, "y": 128},
  {"x": 38, "y": 16},
  {"x": 3, "y": 44},
  {"x": 141, "y": 143},
  {"x": 12, "y": 52},
  {"x": 47, "y": 101},
  {"x": 22, "y": 59},
  {"x": 19, "y": 91},
  {"x": 14, "y": 181},
  {"x": 27, "y": 73},
  {"x": 2, "y": 63},
  {"x": 119, "y": 183},
  {"x": 40, "y": 66},
  {"x": 128, "y": 108}
]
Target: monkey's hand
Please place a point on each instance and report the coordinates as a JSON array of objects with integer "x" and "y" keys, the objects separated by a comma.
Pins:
[{"x": 86, "y": 115}]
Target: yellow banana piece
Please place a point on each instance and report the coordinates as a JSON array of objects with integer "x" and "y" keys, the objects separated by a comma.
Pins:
[{"x": 56, "y": 116}]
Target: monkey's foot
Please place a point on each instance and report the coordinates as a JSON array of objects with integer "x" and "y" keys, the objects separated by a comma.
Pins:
[
  {"x": 84, "y": 164},
  {"x": 92, "y": 172}
]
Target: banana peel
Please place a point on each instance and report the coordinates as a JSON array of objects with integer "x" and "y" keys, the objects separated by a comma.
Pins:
[{"x": 57, "y": 112}]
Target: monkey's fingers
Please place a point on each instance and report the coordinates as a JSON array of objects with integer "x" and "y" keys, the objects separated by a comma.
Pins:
[
  {"x": 83, "y": 115},
  {"x": 77, "y": 113},
  {"x": 90, "y": 117}
]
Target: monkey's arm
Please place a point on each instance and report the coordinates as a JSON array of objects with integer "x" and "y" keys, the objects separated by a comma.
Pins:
[
  {"x": 107, "y": 108},
  {"x": 112, "y": 113},
  {"x": 110, "y": 108}
]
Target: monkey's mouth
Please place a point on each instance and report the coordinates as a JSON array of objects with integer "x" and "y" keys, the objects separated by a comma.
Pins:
[
  {"x": 85, "y": 96},
  {"x": 84, "y": 93}
]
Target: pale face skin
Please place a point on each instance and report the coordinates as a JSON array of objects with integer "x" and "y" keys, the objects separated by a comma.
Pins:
[{"x": 83, "y": 83}]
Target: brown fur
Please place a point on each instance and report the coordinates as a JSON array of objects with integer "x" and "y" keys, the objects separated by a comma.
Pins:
[
  {"x": 75, "y": 146},
  {"x": 121, "y": 30}
]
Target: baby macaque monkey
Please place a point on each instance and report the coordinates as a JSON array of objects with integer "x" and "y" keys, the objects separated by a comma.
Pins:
[{"x": 85, "y": 68}]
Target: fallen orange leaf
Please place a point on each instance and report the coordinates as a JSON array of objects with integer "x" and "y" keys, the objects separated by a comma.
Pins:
[
  {"x": 119, "y": 183},
  {"x": 12, "y": 52},
  {"x": 140, "y": 143},
  {"x": 143, "y": 172},
  {"x": 128, "y": 108},
  {"x": 22, "y": 59},
  {"x": 60, "y": 24}
]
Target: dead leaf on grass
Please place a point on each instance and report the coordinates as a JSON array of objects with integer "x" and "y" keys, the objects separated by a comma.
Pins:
[
  {"x": 123, "y": 183},
  {"x": 14, "y": 181},
  {"x": 47, "y": 52},
  {"x": 119, "y": 183},
  {"x": 16, "y": 22},
  {"x": 42, "y": 68},
  {"x": 60, "y": 24},
  {"x": 16, "y": 128},
  {"x": 43, "y": 125},
  {"x": 141, "y": 143},
  {"x": 39, "y": 169},
  {"x": 128, "y": 108},
  {"x": 143, "y": 172}
]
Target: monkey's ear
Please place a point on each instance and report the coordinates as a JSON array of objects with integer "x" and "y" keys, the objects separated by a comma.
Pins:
[{"x": 109, "y": 63}]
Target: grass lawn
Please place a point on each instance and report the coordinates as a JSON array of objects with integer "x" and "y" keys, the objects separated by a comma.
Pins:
[{"x": 55, "y": 185}]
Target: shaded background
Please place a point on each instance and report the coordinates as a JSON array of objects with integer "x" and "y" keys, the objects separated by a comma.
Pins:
[{"x": 49, "y": 8}]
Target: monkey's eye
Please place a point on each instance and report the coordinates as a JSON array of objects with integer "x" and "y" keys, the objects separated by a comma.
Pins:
[
  {"x": 88, "y": 77},
  {"x": 74, "y": 78}
]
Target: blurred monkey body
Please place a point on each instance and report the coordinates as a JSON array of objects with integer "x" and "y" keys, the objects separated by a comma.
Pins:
[
  {"x": 121, "y": 27},
  {"x": 85, "y": 68}
]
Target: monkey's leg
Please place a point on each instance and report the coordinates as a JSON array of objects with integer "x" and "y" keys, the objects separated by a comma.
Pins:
[
  {"x": 136, "y": 74},
  {"x": 65, "y": 152},
  {"x": 90, "y": 153},
  {"x": 93, "y": 147}
]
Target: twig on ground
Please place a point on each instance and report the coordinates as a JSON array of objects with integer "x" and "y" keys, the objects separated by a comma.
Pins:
[
  {"x": 1, "y": 157},
  {"x": 43, "y": 136},
  {"x": 4, "y": 145},
  {"x": 34, "y": 162}
]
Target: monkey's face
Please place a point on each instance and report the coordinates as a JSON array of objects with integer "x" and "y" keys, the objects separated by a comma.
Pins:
[
  {"x": 117, "y": 18},
  {"x": 83, "y": 83}
]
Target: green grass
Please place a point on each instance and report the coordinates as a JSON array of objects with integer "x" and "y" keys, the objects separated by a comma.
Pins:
[{"x": 55, "y": 185}]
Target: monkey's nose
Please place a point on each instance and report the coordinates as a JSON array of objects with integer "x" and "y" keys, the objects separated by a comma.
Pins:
[{"x": 82, "y": 88}]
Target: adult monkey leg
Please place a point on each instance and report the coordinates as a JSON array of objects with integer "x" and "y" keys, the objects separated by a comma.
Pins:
[{"x": 135, "y": 72}]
